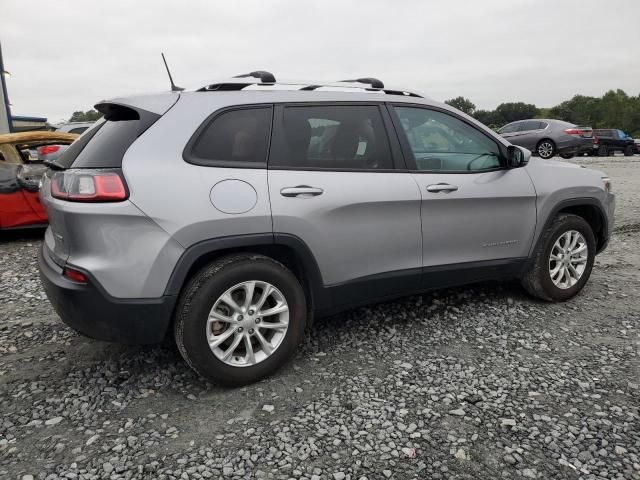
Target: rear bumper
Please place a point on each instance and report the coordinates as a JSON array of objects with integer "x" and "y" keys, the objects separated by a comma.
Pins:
[
  {"x": 575, "y": 145},
  {"x": 91, "y": 311}
]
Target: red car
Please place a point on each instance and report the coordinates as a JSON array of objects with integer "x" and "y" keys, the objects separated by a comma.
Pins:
[{"x": 20, "y": 176}]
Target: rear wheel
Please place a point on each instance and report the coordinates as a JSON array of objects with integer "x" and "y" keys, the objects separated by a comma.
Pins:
[
  {"x": 546, "y": 149},
  {"x": 629, "y": 150},
  {"x": 603, "y": 152},
  {"x": 240, "y": 319},
  {"x": 563, "y": 261}
]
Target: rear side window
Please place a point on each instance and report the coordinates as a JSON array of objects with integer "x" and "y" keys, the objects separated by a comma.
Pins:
[
  {"x": 78, "y": 130},
  {"x": 603, "y": 133},
  {"x": 105, "y": 143},
  {"x": 235, "y": 138},
  {"x": 333, "y": 137}
]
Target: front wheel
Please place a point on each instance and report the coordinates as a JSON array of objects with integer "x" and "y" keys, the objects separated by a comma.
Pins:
[
  {"x": 563, "y": 261},
  {"x": 240, "y": 319},
  {"x": 546, "y": 149}
]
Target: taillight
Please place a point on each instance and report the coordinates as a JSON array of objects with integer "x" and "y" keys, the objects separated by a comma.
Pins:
[
  {"x": 47, "y": 149},
  {"x": 74, "y": 275},
  {"x": 573, "y": 131},
  {"x": 596, "y": 140},
  {"x": 88, "y": 186}
]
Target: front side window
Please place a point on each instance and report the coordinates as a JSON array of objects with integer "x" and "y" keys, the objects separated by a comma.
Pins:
[
  {"x": 510, "y": 128},
  {"x": 441, "y": 142},
  {"x": 331, "y": 137},
  {"x": 233, "y": 138}
]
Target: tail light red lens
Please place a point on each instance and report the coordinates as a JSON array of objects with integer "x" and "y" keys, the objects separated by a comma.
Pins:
[
  {"x": 47, "y": 149},
  {"x": 88, "y": 186},
  {"x": 573, "y": 131},
  {"x": 74, "y": 275}
]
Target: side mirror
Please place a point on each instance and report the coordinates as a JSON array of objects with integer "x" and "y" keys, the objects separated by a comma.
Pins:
[{"x": 517, "y": 156}]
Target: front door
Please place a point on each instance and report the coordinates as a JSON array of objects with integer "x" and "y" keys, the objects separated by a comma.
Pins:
[
  {"x": 476, "y": 214},
  {"x": 333, "y": 184}
]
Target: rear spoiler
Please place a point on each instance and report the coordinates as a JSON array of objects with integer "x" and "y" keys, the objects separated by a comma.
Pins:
[{"x": 156, "y": 103}]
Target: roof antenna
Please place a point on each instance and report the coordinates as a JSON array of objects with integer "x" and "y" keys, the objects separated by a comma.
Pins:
[{"x": 174, "y": 87}]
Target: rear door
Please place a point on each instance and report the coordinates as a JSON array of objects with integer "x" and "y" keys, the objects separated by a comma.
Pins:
[
  {"x": 476, "y": 214},
  {"x": 333, "y": 183}
]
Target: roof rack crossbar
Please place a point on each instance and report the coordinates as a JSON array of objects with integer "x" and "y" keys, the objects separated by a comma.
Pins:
[
  {"x": 374, "y": 82},
  {"x": 264, "y": 76}
]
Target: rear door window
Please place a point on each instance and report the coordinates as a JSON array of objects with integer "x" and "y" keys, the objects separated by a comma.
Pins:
[
  {"x": 529, "y": 125},
  {"x": 331, "y": 137}
]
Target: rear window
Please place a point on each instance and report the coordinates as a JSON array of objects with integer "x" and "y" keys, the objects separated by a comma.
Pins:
[{"x": 105, "y": 143}]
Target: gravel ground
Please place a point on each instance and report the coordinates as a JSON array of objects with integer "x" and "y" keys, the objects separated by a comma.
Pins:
[{"x": 476, "y": 382}]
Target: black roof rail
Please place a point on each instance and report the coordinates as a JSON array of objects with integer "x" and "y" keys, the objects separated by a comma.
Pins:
[
  {"x": 264, "y": 76},
  {"x": 223, "y": 87},
  {"x": 374, "y": 82},
  {"x": 402, "y": 93}
]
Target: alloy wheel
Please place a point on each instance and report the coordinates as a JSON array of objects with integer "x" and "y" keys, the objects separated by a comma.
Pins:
[
  {"x": 545, "y": 150},
  {"x": 247, "y": 323},
  {"x": 568, "y": 259}
]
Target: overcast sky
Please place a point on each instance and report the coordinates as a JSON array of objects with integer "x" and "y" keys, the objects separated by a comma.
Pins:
[{"x": 67, "y": 55}]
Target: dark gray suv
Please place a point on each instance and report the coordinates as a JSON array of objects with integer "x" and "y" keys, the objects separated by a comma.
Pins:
[
  {"x": 233, "y": 214},
  {"x": 547, "y": 138}
]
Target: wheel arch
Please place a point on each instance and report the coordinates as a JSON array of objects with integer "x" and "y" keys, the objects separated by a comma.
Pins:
[
  {"x": 289, "y": 250},
  {"x": 588, "y": 208}
]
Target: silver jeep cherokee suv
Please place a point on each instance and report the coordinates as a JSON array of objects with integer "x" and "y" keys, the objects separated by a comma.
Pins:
[{"x": 232, "y": 214}]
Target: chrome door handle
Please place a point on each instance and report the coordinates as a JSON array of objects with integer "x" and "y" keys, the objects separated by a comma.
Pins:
[
  {"x": 301, "y": 191},
  {"x": 441, "y": 187}
]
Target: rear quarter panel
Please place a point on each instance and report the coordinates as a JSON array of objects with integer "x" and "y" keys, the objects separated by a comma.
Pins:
[{"x": 176, "y": 194}]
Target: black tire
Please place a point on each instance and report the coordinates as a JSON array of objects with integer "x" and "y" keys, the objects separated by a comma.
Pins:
[
  {"x": 603, "y": 152},
  {"x": 537, "y": 280},
  {"x": 567, "y": 156},
  {"x": 629, "y": 150},
  {"x": 199, "y": 296},
  {"x": 546, "y": 148}
]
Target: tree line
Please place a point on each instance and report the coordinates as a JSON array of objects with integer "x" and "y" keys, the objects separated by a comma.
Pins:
[{"x": 615, "y": 109}]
